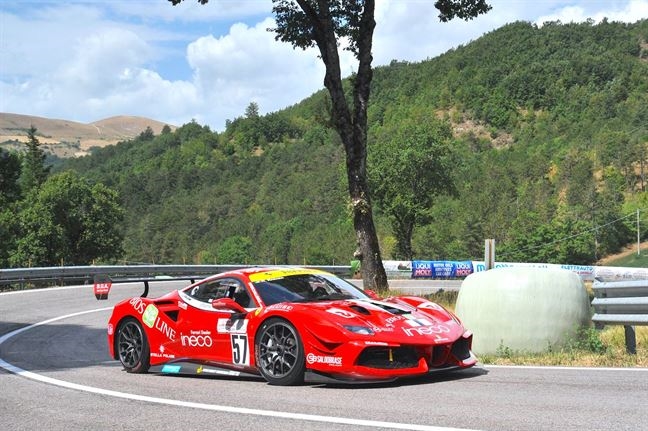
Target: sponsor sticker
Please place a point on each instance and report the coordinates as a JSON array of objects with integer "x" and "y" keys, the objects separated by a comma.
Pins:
[
  {"x": 162, "y": 355},
  {"x": 375, "y": 343},
  {"x": 342, "y": 313},
  {"x": 138, "y": 305},
  {"x": 171, "y": 369},
  {"x": 229, "y": 326},
  {"x": 427, "y": 330},
  {"x": 282, "y": 307},
  {"x": 417, "y": 321},
  {"x": 102, "y": 288},
  {"x": 201, "y": 370},
  {"x": 150, "y": 315},
  {"x": 430, "y": 306},
  {"x": 335, "y": 361},
  {"x": 197, "y": 339}
]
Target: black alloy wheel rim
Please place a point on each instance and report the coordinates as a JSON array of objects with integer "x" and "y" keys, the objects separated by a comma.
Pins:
[
  {"x": 278, "y": 350},
  {"x": 131, "y": 343}
]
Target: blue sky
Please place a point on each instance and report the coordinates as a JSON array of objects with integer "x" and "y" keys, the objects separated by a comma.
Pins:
[{"x": 89, "y": 60}]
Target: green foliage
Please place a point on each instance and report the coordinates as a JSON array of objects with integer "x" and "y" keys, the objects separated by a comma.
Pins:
[
  {"x": 8, "y": 232},
  {"x": 504, "y": 351},
  {"x": 587, "y": 339},
  {"x": 235, "y": 250},
  {"x": 9, "y": 175},
  {"x": 67, "y": 221},
  {"x": 411, "y": 163},
  {"x": 34, "y": 171},
  {"x": 541, "y": 130}
]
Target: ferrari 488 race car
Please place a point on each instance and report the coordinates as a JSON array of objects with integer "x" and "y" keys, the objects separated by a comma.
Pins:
[{"x": 286, "y": 324}]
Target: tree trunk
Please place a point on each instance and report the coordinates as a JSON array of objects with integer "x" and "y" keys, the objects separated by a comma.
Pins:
[{"x": 353, "y": 132}]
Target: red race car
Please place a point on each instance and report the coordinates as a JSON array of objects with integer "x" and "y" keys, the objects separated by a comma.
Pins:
[{"x": 286, "y": 324}]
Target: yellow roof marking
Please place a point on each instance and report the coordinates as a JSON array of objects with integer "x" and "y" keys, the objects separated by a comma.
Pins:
[{"x": 278, "y": 273}]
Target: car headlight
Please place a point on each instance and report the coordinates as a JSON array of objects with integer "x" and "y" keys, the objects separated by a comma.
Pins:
[{"x": 362, "y": 330}]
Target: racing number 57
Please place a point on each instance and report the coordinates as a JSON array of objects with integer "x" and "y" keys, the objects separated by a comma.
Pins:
[{"x": 240, "y": 353}]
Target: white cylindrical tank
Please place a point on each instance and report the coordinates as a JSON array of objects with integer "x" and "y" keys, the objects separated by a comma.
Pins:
[{"x": 522, "y": 309}]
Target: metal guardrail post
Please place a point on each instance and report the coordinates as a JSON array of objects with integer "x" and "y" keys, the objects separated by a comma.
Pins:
[{"x": 630, "y": 339}]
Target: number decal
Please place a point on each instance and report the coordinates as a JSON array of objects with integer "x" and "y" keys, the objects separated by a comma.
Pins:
[{"x": 240, "y": 353}]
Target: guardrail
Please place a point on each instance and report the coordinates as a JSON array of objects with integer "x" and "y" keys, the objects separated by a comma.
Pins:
[
  {"x": 621, "y": 303},
  {"x": 86, "y": 274}
]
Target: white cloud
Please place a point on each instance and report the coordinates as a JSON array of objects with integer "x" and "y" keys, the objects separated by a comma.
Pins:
[
  {"x": 85, "y": 61},
  {"x": 247, "y": 65},
  {"x": 629, "y": 12}
]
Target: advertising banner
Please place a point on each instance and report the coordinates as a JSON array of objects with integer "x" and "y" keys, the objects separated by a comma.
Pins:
[{"x": 441, "y": 268}]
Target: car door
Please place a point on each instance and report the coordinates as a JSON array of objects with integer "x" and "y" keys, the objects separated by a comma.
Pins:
[{"x": 209, "y": 334}]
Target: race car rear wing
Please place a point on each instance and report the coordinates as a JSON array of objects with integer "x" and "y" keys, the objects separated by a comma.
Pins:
[{"x": 103, "y": 283}]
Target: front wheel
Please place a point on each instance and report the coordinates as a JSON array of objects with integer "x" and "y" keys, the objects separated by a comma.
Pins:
[
  {"x": 132, "y": 347},
  {"x": 280, "y": 353}
]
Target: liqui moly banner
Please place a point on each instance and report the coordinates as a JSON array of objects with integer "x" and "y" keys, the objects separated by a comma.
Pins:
[{"x": 441, "y": 269}]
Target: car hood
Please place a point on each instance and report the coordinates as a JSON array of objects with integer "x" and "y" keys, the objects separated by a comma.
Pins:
[{"x": 389, "y": 320}]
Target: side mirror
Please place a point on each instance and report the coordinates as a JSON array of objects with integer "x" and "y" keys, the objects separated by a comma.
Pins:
[{"x": 228, "y": 304}]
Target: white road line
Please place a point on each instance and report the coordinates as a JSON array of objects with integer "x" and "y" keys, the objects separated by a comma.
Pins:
[
  {"x": 549, "y": 367},
  {"x": 227, "y": 409},
  {"x": 51, "y": 289}
]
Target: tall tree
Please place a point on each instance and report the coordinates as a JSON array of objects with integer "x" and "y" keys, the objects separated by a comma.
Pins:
[
  {"x": 322, "y": 23},
  {"x": 411, "y": 164},
  {"x": 9, "y": 176},
  {"x": 34, "y": 171},
  {"x": 68, "y": 220}
]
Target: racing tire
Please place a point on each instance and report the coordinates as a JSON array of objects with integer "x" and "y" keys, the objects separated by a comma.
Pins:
[
  {"x": 280, "y": 353},
  {"x": 132, "y": 347}
]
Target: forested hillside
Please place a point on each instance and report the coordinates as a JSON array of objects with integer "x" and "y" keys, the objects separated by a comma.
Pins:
[{"x": 533, "y": 136}]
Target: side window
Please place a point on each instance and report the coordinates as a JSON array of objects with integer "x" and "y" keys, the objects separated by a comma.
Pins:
[
  {"x": 228, "y": 287},
  {"x": 207, "y": 292}
]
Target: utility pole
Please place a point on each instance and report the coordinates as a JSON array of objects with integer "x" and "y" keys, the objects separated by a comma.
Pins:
[{"x": 638, "y": 236}]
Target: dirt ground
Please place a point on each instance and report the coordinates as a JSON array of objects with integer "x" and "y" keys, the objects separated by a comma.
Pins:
[{"x": 623, "y": 253}]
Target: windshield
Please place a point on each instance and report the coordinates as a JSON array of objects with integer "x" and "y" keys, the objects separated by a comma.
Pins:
[{"x": 306, "y": 288}]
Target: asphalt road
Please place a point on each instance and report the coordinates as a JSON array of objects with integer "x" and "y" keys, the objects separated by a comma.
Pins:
[{"x": 58, "y": 376}]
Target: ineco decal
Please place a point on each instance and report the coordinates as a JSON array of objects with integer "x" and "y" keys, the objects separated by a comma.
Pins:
[
  {"x": 426, "y": 330},
  {"x": 196, "y": 340},
  {"x": 312, "y": 358}
]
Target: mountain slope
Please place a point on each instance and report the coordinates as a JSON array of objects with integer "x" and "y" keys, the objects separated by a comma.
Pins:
[
  {"x": 550, "y": 131},
  {"x": 68, "y": 138}
]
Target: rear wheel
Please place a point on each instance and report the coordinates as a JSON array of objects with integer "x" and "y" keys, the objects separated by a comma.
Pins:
[
  {"x": 280, "y": 353},
  {"x": 132, "y": 346}
]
